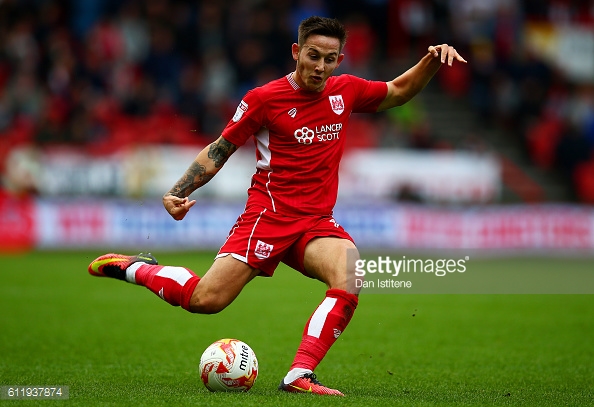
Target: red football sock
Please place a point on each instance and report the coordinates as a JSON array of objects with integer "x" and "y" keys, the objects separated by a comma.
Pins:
[
  {"x": 323, "y": 328},
  {"x": 173, "y": 284}
]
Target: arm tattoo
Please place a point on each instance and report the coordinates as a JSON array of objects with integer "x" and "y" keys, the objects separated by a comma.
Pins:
[
  {"x": 196, "y": 176},
  {"x": 193, "y": 179},
  {"x": 219, "y": 152}
]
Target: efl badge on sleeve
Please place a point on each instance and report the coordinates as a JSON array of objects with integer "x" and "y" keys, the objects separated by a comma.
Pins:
[{"x": 241, "y": 109}]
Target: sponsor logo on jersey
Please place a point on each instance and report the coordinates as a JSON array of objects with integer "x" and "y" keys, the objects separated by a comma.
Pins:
[
  {"x": 337, "y": 104},
  {"x": 337, "y": 333},
  {"x": 241, "y": 109},
  {"x": 304, "y": 135},
  {"x": 326, "y": 132},
  {"x": 292, "y": 112},
  {"x": 263, "y": 250}
]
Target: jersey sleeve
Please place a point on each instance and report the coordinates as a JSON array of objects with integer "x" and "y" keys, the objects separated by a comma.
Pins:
[
  {"x": 370, "y": 94},
  {"x": 247, "y": 120}
]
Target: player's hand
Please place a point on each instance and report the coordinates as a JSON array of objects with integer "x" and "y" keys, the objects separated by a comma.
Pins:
[
  {"x": 446, "y": 53},
  {"x": 176, "y": 206}
]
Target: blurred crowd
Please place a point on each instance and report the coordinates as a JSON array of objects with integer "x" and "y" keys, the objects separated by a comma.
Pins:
[{"x": 104, "y": 73}]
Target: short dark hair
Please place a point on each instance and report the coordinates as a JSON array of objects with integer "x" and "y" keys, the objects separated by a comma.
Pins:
[{"x": 329, "y": 27}]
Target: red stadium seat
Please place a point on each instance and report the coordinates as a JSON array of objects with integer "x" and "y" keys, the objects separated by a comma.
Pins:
[
  {"x": 583, "y": 177},
  {"x": 542, "y": 138}
]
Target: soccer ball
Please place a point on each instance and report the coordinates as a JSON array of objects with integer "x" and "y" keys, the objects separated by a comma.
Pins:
[{"x": 228, "y": 365}]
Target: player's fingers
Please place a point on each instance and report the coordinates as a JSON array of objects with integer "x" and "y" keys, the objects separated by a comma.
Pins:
[
  {"x": 444, "y": 48},
  {"x": 173, "y": 200},
  {"x": 451, "y": 54},
  {"x": 178, "y": 213},
  {"x": 433, "y": 50},
  {"x": 446, "y": 53}
]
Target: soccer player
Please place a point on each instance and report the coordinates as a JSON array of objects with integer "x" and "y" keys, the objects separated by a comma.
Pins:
[{"x": 288, "y": 215}]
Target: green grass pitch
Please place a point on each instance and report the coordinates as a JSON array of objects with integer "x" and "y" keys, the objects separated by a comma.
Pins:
[{"x": 114, "y": 343}]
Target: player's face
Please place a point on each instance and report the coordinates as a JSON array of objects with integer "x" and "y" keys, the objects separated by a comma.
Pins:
[{"x": 316, "y": 61}]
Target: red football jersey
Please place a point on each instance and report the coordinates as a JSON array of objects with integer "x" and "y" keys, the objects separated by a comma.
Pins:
[{"x": 298, "y": 157}]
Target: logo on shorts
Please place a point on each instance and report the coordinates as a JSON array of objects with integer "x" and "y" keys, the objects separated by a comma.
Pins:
[{"x": 263, "y": 250}]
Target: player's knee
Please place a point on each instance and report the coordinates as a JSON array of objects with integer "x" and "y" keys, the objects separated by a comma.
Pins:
[{"x": 208, "y": 304}]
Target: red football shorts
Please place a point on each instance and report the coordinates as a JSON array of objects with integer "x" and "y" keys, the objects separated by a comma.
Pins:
[{"x": 262, "y": 238}]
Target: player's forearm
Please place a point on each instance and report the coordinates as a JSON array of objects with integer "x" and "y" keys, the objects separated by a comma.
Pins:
[
  {"x": 417, "y": 77},
  {"x": 206, "y": 165},
  {"x": 410, "y": 83},
  {"x": 195, "y": 176}
]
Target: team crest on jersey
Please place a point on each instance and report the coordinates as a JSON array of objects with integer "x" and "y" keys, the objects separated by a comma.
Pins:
[
  {"x": 337, "y": 104},
  {"x": 263, "y": 250},
  {"x": 241, "y": 109}
]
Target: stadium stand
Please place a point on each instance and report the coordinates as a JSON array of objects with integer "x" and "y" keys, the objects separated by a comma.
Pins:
[{"x": 98, "y": 74}]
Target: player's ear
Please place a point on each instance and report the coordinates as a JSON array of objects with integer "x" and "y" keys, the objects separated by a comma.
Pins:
[
  {"x": 339, "y": 59},
  {"x": 295, "y": 51}
]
